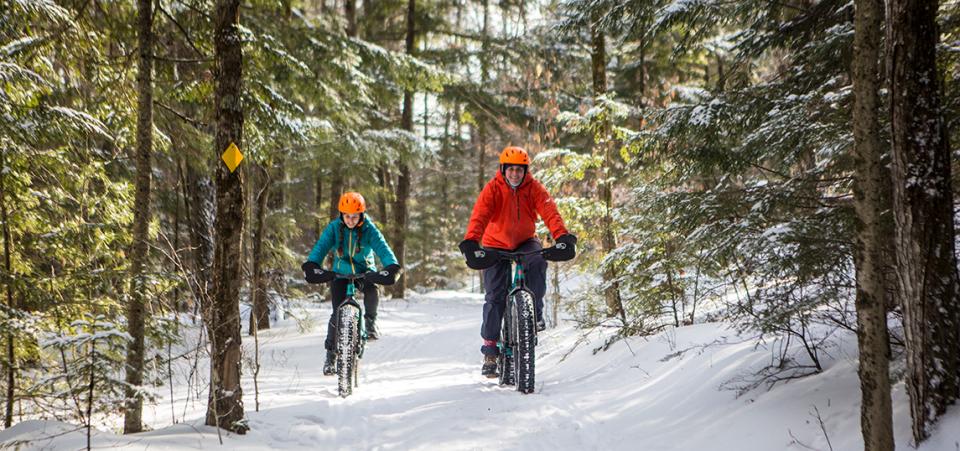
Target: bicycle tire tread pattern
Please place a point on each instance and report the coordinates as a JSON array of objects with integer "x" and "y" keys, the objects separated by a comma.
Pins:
[
  {"x": 524, "y": 353},
  {"x": 347, "y": 343}
]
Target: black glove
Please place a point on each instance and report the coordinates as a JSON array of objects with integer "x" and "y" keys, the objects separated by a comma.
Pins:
[
  {"x": 564, "y": 249},
  {"x": 313, "y": 273},
  {"x": 477, "y": 257},
  {"x": 386, "y": 276}
]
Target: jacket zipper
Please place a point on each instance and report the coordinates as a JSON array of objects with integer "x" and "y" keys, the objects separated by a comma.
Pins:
[
  {"x": 516, "y": 199},
  {"x": 353, "y": 269}
]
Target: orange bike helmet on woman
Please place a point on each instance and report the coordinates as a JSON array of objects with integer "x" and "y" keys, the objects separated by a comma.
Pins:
[
  {"x": 352, "y": 203},
  {"x": 514, "y": 155}
]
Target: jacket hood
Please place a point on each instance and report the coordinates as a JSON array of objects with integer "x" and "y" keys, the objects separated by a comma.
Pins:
[{"x": 527, "y": 179}]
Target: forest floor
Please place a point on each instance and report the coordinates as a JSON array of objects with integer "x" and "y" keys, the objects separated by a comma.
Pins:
[{"x": 420, "y": 388}]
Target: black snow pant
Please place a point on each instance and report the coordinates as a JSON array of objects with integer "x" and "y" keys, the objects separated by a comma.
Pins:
[
  {"x": 338, "y": 293},
  {"x": 497, "y": 280}
]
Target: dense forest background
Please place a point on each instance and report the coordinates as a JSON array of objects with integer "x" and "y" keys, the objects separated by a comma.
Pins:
[{"x": 705, "y": 153}]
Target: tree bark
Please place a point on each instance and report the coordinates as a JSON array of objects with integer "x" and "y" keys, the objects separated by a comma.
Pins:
[
  {"x": 336, "y": 189},
  {"x": 319, "y": 202},
  {"x": 481, "y": 122},
  {"x": 403, "y": 180},
  {"x": 923, "y": 213},
  {"x": 383, "y": 198},
  {"x": 225, "y": 408},
  {"x": 260, "y": 310},
  {"x": 201, "y": 240},
  {"x": 11, "y": 304},
  {"x": 876, "y": 417},
  {"x": 132, "y": 415},
  {"x": 178, "y": 305},
  {"x": 605, "y": 192},
  {"x": 481, "y": 127},
  {"x": 350, "y": 11}
]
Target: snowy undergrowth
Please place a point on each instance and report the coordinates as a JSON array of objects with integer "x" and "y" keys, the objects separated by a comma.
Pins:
[{"x": 420, "y": 389}]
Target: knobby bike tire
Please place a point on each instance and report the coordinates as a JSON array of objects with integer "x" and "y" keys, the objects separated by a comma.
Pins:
[
  {"x": 524, "y": 353},
  {"x": 348, "y": 340}
]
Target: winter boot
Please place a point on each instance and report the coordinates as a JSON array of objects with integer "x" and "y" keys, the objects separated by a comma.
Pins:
[
  {"x": 330, "y": 365},
  {"x": 372, "y": 332},
  {"x": 541, "y": 325},
  {"x": 489, "y": 369}
]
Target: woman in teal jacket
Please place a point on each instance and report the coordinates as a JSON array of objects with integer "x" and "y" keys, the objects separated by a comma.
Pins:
[{"x": 354, "y": 240}]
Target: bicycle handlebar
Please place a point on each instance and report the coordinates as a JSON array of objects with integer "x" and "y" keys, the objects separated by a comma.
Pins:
[
  {"x": 363, "y": 276},
  {"x": 516, "y": 255}
]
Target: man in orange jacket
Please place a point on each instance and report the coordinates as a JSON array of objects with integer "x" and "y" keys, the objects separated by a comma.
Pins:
[{"x": 504, "y": 218}]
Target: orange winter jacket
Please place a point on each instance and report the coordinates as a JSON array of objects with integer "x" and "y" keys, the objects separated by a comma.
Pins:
[{"x": 504, "y": 217}]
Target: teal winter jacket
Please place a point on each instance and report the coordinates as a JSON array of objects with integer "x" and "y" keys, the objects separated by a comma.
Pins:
[{"x": 353, "y": 249}]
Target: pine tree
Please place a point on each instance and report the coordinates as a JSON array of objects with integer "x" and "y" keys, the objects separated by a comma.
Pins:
[{"x": 138, "y": 255}]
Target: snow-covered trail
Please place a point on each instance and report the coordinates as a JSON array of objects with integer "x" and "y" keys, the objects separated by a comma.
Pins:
[{"x": 420, "y": 388}]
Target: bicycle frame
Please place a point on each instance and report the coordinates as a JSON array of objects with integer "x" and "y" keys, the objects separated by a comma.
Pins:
[{"x": 519, "y": 281}]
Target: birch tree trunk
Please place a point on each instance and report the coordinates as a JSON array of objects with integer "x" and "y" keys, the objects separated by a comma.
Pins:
[{"x": 876, "y": 417}]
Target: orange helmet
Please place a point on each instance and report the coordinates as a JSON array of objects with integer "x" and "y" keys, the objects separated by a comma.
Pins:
[
  {"x": 352, "y": 203},
  {"x": 514, "y": 155}
]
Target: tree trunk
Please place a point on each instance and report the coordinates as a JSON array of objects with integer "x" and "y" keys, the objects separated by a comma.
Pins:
[
  {"x": 403, "y": 180},
  {"x": 336, "y": 189},
  {"x": 260, "y": 311},
  {"x": 225, "y": 408},
  {"x": 481, "y": 123},
  {"x": 555, "y": 308},
  {"x": 201, "y": 240},
  {"x": 876, "y": 417},
  {"x": 608, "y": 240},
  {"x": 923, "y": 212},
  {"x": 350, "y": 11},
  {"x": 383, "y": 197},
  {"x": 132, "y": 421},
  {"x": 178, "y": 305},
  {"x": 319, "y": 203},
  {"x": 11, "y": 304},
  {"x": 400, "y": 226}
]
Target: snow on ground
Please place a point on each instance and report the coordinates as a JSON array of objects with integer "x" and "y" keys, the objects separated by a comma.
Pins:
[{"x": 420, "y": 388}]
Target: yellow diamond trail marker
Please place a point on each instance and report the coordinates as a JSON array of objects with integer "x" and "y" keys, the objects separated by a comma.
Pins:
[{"x": 232, "y": 157}]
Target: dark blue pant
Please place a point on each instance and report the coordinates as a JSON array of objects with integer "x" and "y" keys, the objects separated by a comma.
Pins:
[
  {"x": 497, "y": 280},
  {"x": 338, "y": 293}
]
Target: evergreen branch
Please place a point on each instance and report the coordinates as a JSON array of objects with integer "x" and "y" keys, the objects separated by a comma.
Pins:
[
  {"x": 182, "y": 60},
  {"x": 196, "y": 123},
  {"x": 186, "y": 34}
]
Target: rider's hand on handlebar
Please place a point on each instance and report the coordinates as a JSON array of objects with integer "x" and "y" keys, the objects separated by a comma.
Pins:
[
  {"x": 565, "y": 249},
  {"x": 386, "y": 276},
  {"x": 313, "y": 273},
  {"x": 477, "y": 257}
]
